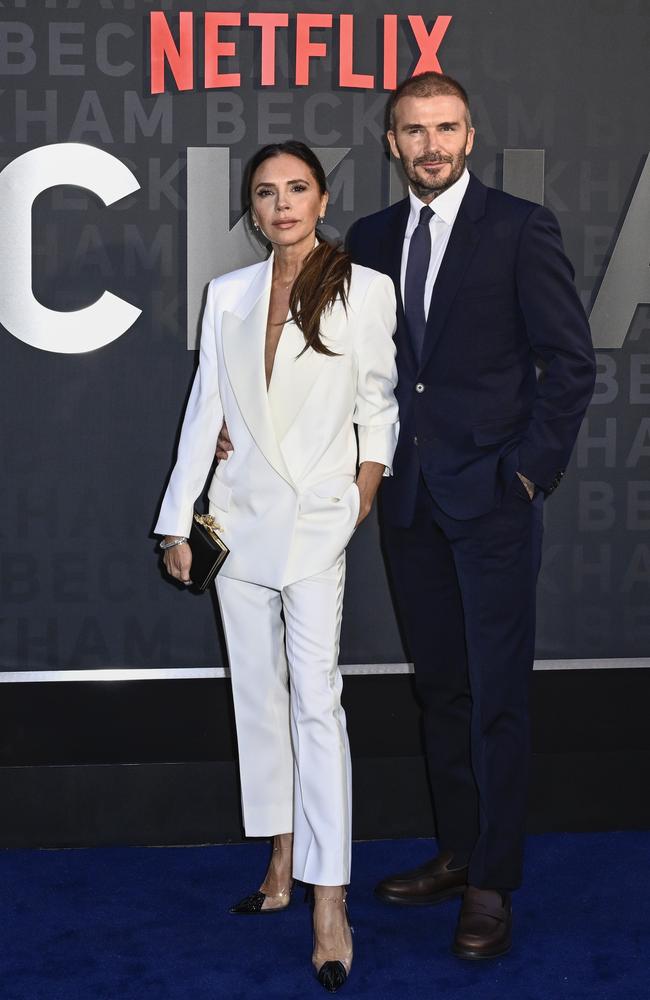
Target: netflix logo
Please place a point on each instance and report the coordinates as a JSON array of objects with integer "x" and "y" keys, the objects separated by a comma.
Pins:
[{"x": 175, "y": 42}]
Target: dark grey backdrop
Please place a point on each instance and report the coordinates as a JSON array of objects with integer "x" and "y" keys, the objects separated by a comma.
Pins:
[{"x": 88, "y": 439}]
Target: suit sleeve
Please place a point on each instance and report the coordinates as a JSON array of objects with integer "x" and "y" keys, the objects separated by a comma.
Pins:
[
  {"x": 376, "y": 413},
  {"x": 558, "y": 333},
  {"x": 351, "y": 241},
  {"x": 201, "y": 426}
]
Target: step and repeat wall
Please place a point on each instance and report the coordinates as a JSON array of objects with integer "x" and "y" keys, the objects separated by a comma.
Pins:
[{"x": 126, "y": 127}]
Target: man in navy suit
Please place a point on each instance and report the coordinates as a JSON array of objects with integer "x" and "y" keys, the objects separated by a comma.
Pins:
[{"x": 484, "y": 290}]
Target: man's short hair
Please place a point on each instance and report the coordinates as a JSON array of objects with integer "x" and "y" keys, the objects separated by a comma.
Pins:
[{"x": 428, "y": 84}]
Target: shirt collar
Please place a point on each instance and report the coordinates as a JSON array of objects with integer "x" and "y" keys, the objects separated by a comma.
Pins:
[{"x": 446, "y": 205}]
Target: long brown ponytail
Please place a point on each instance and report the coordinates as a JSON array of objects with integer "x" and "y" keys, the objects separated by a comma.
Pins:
[
  {"x": 324, "y": 278},
  {"x": 326, "y": 272}
]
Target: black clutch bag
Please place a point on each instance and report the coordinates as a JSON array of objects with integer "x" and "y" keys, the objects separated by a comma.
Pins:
[{"x": 208, "y": 550}]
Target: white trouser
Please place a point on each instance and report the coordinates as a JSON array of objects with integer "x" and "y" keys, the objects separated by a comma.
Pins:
[{"x": 294, "y": 757}]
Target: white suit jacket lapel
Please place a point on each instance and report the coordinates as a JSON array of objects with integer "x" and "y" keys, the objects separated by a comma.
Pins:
[
  {"x": 243, "y": 334},
  {"x": 293, "y": 378}
]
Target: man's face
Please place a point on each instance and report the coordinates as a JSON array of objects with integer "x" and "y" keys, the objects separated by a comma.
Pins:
[{"x": 431, "y": 139}]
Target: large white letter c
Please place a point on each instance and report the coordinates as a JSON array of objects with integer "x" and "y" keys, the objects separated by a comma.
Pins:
[{"x": 20, "y": 183}]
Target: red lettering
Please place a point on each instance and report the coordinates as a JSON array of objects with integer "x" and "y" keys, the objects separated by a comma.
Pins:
[
  {"x": 172, "y": 48},
  {"x": 347, "y": 76},
  {"x": 305, "y": 48},
  {"x": 390, "y": 51},
  {"x": 163, "y": 48},
  {"x": 268, "y": 23},
  {"x": 428, "y": 43},
  {"x": 215, "y": 49}
]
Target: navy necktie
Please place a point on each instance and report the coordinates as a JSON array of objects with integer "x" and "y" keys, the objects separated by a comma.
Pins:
[{"x": 417, "y": 267}]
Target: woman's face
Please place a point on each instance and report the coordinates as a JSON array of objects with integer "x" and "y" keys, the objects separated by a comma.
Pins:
[{"x": 286, "y": 201}]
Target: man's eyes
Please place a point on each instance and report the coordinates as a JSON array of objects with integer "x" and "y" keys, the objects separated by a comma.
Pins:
[{"x": 417, "y": 129}]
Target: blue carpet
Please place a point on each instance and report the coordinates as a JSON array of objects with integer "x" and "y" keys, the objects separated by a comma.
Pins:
[{"x": 151, "y": 924}]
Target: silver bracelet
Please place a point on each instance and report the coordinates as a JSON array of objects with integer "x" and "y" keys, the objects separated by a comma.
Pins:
[{"x": 170, "y": 545}]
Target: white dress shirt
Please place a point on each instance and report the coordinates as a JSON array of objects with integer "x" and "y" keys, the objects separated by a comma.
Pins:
[{"x": 445, "y": 208}]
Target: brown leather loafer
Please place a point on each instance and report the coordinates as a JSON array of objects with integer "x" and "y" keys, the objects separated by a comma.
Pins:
[
  {"x": 430, "y": 883},
  {"x": 484, "y": 928}
]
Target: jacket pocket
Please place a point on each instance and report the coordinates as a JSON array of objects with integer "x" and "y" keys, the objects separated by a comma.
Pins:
[
  {"x": 496, "y": 431},
  {"x": 332, "y": 489},
  {"x": 219, "y": 494}
]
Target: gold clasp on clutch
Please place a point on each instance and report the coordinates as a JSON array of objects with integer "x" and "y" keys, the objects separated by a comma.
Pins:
[{"x": 208, "y": 521}]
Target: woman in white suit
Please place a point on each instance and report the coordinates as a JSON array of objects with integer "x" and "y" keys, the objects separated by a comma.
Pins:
[{"x": 294, "y": 352}]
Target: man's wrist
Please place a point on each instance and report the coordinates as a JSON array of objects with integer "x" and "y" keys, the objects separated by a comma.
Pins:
[{"x": 529, "y": 485}]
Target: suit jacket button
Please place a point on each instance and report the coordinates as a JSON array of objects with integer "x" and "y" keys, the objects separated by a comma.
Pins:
[
  {"x": 419, "y": 387},
  {"x": 415, "y": 440}
]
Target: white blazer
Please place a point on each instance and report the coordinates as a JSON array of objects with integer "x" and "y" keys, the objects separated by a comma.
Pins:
[{"x": 285, "y": 498}]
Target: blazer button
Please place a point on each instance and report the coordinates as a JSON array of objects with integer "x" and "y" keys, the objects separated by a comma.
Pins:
[
  {"x": 419, "y": 387},
  {"x": 415, "y": 440}
]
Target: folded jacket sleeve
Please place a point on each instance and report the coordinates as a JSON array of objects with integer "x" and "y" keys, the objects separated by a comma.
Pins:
[
  {"x": 376, "y": 412},
  {"x": 201, "y": 425}
]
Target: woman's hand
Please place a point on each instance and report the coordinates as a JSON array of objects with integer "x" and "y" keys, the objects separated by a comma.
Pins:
[
  {"x": 368, "y": 481},
  {"x": 178, "y": 561}
]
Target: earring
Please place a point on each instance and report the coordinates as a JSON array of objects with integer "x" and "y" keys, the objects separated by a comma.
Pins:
[{"x": 321, "y": 219}]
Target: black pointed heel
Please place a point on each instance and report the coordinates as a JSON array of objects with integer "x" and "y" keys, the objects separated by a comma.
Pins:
[
  {"x": 333, "y": 974},
  {"x": 252, "y": 905}
]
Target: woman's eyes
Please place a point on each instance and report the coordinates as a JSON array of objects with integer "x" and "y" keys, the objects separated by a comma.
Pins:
[{"x": 297, "y": 188}]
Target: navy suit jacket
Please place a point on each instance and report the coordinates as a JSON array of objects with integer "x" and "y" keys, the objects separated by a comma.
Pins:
[{"x": 472, "y": 410}]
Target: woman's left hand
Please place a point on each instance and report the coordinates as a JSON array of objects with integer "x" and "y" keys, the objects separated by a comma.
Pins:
[
  {"x": 178, "y": 560},
  {"x": 368, "y": 482}
]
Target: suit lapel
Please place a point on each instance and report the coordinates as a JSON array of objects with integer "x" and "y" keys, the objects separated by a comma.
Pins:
[
  {"x": 394, "y": 248},
  {"x": 394, "y": 245},
  {"x": 295, "y": 373},
  {"x": 464, "y": 238},
  {"x": 243, "y": 335}
]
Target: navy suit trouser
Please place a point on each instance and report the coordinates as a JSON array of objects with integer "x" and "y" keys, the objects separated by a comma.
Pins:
[{"x": 465, "y": 597}]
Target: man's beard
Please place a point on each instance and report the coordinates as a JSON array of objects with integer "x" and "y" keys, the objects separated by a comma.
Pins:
[{"x": 434, "y": 185}]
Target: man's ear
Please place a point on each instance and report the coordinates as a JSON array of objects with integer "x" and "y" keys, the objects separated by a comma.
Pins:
[{"x": 390, "y": 135}]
